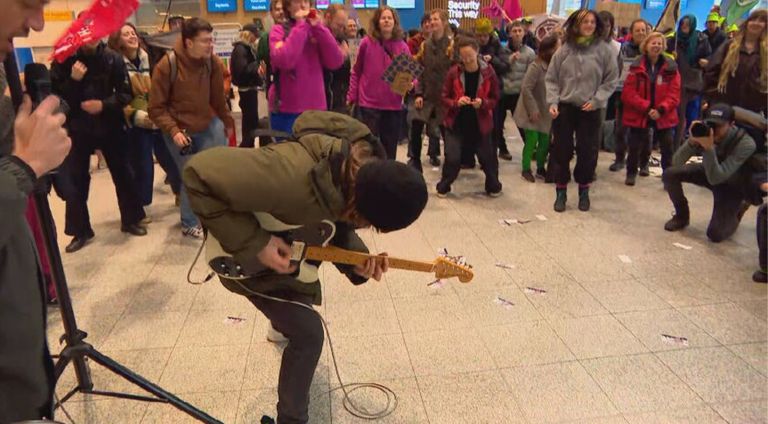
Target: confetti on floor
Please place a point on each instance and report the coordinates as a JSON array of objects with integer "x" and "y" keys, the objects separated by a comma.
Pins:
[
  {"x": 682, "y": 246},
  {"x": 233, "y": 320},
  {"x": 503, "y": 302},
  {"x": 625, "y": 259},
  {"x": 534, "y": 290},
  {"x": 437, "y": 284},
  {"x": 504, "y": 266},
  {"x": 541, "y": 217},
  {"x": 681, "y": 341}
]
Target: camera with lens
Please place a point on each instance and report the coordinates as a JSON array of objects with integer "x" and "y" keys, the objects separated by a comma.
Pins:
[
  {"x": 186, "y": 150},
  {"x": 701, "y": 128}
]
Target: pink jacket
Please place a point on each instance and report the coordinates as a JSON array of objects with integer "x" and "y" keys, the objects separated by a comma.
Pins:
[
  {"x": 299, "y": 60},
  {"x": 366, "y": 88}
]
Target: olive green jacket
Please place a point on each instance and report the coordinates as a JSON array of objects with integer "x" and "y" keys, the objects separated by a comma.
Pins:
[{"x": 296, "y": 182}]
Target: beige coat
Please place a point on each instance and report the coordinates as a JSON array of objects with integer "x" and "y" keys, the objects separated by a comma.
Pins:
[{"x": 533, "y": 98}]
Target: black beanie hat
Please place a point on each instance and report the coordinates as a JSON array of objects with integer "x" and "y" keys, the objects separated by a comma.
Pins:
[{"x": 389, "y": 194}]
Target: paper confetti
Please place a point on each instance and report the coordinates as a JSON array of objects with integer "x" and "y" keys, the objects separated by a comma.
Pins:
[
  {"x": 504, "y": 266},
  {"x": 437, "y": 284},
  {"x": 682, "y": 246},
  {"x": 534, "y": 290},
  {"x": 541, "y": 217},
  {"x": 434, "y": 168},
  {"x": 682, "y": 341},
  {"x": 233, "y": 320},
  {"x": 625, "y": 259},
  {"x": 442, "y": 251},
  {"x": 507, "y": 222},
  {"x": 503, "y": 302}
]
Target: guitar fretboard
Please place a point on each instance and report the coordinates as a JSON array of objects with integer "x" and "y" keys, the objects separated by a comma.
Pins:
[{"x": 348, "y": 257}]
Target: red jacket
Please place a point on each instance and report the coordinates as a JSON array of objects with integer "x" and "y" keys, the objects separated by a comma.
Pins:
[
  {"x": 636, "y": 96},
  {"x": 487, "y": 89},
  {"x": 414, "y": 43}
]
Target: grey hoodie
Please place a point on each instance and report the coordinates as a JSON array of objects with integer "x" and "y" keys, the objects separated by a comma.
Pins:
[{"x": 577, "y": 75}]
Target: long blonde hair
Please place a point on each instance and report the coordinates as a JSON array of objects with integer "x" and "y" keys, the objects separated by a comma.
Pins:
[{"x": 731, "y": 60}]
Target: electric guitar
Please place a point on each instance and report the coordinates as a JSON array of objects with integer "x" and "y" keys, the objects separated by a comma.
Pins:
[{"x": 310, "y": 244}]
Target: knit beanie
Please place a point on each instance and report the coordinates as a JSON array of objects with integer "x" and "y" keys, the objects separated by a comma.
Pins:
[
  {"x": 389, "y": 194},
  {"x": 483, "y": 26}
]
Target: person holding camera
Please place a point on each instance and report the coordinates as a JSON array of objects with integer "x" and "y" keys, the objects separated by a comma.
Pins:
[
  {"x": 32, "y": 143},
  {"x": 725, "y": 150},
  {"x": 188, "y": 103}
]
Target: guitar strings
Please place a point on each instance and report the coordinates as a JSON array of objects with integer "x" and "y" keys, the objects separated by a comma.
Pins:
[{"x": 350, "y": 406}]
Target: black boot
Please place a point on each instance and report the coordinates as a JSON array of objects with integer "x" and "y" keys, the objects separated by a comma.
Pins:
[
  {"x": 760, "y": 276},
  {"x": 134, "y": 229},
  {"x": 630, "y": 181},
  {"x": 415, "y": 164},
  {"x": 680, "y": 220},
  {"x": 77, "y": 243},
  {"x": 584, "y": 199},
  {"x": 616, "y": 166},
  {"x": 562, "y": 197}
]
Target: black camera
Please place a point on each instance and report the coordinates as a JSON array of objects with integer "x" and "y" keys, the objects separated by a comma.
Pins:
[
  {"x": 701, "y": 128},
  {"x": 186, "y": 150}
]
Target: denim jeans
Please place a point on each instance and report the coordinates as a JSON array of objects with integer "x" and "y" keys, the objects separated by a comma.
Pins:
[
  {"x": 142, "y": 143},
  {"x": 213, "y": 136}
]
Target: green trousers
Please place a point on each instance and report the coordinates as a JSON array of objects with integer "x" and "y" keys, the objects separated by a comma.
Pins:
[{"x": 535, "y": 142}]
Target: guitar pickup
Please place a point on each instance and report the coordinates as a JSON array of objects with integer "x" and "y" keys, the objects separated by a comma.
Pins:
[{"x": 297, "y": 248}]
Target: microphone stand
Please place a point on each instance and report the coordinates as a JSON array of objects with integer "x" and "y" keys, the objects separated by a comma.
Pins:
[{"x": 76, "y": 349}]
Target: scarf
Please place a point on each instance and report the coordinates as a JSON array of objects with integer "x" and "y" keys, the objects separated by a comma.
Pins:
[
  {"x": 690, "y": 40},
  {"x": 585, "y": 41}
]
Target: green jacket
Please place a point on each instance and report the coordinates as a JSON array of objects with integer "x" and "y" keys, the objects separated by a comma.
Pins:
[{"x": 296, "y": 182}]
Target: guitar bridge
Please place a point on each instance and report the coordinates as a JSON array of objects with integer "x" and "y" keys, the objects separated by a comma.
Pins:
[{"x": 297, "y": 253}]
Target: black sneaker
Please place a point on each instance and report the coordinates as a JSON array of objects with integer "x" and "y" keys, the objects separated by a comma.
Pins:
[
  {"x": 505, "y": 155},
  {"x": 644, "y": 171},
  {"x": 267, "y": 420},
  {"x": 678, "y": 222},
  {"x": 434, "y": 161},
  {"x": 760, "y": 276},
  {"x": 541, "y": 173},
  {"x": 584, "y": 199},
  {"x": 562, "y": 197},
  {"x": 616, "y": 166},
  {"x": 630, "y": 181},
  {"x": 528, "y": 176}
]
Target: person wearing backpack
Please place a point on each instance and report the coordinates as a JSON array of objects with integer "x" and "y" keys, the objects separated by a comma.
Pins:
[
  {"x": 726, "y": 170},
  {"x": 333, "y": 170},
  {"x": 299, "y": 50},
  {"x": 245, "y": 75},
  {"x": 187, "y": 102}
]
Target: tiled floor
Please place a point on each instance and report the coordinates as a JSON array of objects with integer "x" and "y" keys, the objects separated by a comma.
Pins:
[{"x": 581, "y": 341}]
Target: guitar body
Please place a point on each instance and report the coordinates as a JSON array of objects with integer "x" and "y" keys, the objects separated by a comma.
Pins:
[{"x": 297, "y": 236}]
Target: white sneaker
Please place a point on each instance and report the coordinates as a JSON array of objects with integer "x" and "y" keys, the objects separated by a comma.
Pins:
[
  {"x": 275, "y": 336},
  {"x": 194, "y": 232}
]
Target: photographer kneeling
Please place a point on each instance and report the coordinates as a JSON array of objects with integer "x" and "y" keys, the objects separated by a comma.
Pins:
[{"x": 725, "y": 151}]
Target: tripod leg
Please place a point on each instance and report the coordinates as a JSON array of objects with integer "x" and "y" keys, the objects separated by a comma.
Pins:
[{"x": 145, "y": 384}]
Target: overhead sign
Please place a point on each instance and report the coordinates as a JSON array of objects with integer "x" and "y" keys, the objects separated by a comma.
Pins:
[
  {"x": 222, "y": 40},
  {"x": 256, "y": 5},
  {"x": 462, "y": 9},
  {"x": 216, "y": 6}
]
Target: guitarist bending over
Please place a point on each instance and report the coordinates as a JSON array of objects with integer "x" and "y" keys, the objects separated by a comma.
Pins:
[{"x": 335, "y": 171}]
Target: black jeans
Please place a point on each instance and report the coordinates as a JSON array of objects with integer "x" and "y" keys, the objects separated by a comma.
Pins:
[
  {"x": 76, "y": 167},
  {"x": 728, "y": 198},
  {"x": 249, "y": 105},
  {"x": 586, "y": 126},
  {"x": 762, "y": 235},
  {"x": 620, "y": 133},
  {"x": 384, "y": 124},
  {"x": 640, "y": 147},
  {"x": 486, "y": 154},
  {"x": 414, "y": 145},
  {"x": 508, "y": 102},
  {"x": 304, "y": 332}
]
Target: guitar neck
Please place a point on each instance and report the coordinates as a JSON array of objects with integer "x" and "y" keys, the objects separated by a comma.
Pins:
[{"x": 348, "y": 257}]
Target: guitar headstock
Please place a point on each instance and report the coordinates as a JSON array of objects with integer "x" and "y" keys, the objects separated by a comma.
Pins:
[{"x": 449, "y": 267}]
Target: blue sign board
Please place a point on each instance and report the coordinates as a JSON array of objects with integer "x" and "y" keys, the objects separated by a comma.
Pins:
[
  {"x": 402, "y": 4},
  {"x": 256, "y": 5},
  {"x": 220, "y": 6}
]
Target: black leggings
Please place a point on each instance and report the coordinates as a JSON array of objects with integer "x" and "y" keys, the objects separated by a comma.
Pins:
[{"x": 586, "y": 126}]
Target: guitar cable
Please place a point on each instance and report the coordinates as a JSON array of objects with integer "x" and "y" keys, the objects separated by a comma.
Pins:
[{"x": 350, "y": 406}]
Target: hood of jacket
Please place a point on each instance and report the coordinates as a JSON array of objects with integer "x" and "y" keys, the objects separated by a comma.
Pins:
[
  {"x": 185, "y": 59},
  {"x": 668, "y": 64}
]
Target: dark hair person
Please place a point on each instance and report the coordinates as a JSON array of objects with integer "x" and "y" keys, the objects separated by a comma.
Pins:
[{"x": 581, "y": 77}]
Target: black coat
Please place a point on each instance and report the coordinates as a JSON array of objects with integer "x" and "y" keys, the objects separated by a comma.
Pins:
[
  {"x": 244, "y": 67},
  {"x": 716, "y": 40},
  {"x": 105, "y": 80},
  {"x": 499, "y": 56}
]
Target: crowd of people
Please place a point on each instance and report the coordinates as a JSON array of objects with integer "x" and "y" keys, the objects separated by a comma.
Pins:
[
  {"x": 559, "y": 90},
  {"x": 687, "y": 92}
]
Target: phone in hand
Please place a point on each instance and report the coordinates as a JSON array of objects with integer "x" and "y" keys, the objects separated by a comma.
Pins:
[{"x": 186, "y": 150}]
